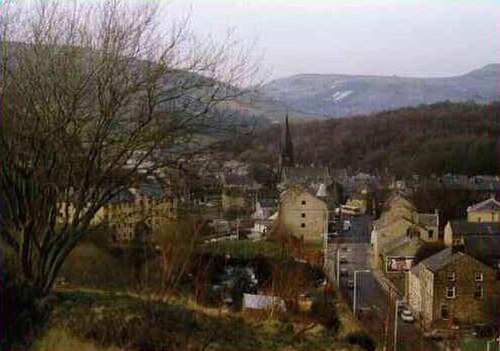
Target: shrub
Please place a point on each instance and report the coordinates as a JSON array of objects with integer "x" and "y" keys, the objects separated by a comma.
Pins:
[
  {"x": 324, "y": 311},
  {"x": 363, "y": 340},
  {"x": 24, "y": 313}
]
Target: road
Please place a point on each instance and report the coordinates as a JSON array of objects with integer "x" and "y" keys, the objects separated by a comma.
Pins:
[{"x": 375, "y": 308}]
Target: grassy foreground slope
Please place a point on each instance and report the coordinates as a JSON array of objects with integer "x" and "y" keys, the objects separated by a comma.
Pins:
[{"x": 101, "y": 321}]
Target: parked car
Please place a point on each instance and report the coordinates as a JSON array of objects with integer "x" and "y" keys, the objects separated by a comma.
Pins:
[
  {"x": 332, "y": 235},
  {"x": 344, "y": 272},
  {"x": 350, "y": 283},
  {"x": 343, "y": 259},
  {"x": 346, "y": 225},
  {"x": 407, "y": 316},
  {"x": 401, "y": 305},
  {"x": 345, "y": 248}
]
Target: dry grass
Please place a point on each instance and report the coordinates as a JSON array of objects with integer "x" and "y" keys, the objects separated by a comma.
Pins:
[
  {"x": 348, "y": 324},
  {"x": 62, "y": 340}
]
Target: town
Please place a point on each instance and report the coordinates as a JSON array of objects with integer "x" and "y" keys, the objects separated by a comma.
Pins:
[{"x": 156, "y": 195}]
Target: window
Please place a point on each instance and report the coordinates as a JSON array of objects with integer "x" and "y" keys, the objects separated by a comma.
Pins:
[
  {"x": 478, "y": 277},
  {"x": 303, "y": 225},
  {"x": 450, "y": 291},
  {"x": 303, "y": 215},
  {"x": 445, "y": 312},
  {"x": 431, "y": 233},
  {"x": 450, "y": 276},
  {"x": 303, "y": 202},
  {"x": 478, "y": 292}
]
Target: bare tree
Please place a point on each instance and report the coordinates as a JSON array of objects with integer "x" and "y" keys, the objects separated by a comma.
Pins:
[{"x": 95, "y": 98}]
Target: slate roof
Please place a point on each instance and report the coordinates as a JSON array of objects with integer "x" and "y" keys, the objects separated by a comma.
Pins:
[
  {"x": 239, "y": 180},
  {"x": 403, "y": 246},
  {"x": 462, "y": 227},
  {"x": 486, "y": 206},
  {"x": 123, "y": 196},
  {"x": 443, "y": 258},
  {"x": 485, "y": 183},
  {"x": 153, "y": 191},
  {"x": 486, "y": 248},
  {"x": 306, "y": 175},
  {"x": 268, "y": 203}
]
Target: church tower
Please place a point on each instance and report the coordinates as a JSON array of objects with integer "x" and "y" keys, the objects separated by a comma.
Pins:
[{"x": 286, "y": 148}]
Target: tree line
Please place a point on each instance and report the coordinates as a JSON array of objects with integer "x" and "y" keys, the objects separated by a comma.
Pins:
[{"x": 429, "y": 139}]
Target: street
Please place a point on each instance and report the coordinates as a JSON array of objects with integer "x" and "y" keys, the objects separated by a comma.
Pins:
[{"x": 349, "y": 252}]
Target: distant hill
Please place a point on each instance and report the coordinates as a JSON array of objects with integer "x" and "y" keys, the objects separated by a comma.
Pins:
[
  {"x": 446, "y": 137},
  {"x": 348, "y": 95}
]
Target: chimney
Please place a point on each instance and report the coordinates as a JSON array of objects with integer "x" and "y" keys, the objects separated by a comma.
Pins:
[{"x": 458, "y": 246}]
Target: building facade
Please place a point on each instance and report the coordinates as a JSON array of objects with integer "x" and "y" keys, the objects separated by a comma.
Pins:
[
  {"x": 453, "y": 288},
  {"x": 138, "y": 212},
  {"x": 304, "y": 216},
  {"x": 486, "y": 211}
]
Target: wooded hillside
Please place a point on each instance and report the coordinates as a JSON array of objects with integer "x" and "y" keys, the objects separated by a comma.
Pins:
[{"x": 439, "y": 138}]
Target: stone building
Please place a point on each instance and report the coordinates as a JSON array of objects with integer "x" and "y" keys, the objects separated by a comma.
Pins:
[
  {"x": 401, "y": 223},
  {"x": 456, "y": 230},
  {"x": 304, "y": 216},
  {"x": 486, "y": 211},
  {"x": 143, "y": 211},
  {"x": 452, "y": 288}
]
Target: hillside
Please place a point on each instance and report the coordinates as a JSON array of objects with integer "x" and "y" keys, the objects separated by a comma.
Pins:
[
  {"x": 348, "y": 95},
  {"x": 439, "y": 138}
]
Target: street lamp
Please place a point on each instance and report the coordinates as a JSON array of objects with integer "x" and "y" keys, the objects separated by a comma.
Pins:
[
  {"x": 355, "y": 285},
  {"x": 396, "y": 324},
  {"x": 338, "y": 267}
]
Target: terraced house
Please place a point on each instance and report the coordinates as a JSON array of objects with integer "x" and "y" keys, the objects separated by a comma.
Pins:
[
  {"x": 453, "y": 288},
  {"x": 139, "y": 214}
]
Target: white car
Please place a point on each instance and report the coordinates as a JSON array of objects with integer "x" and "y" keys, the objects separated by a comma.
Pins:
[
  {"x": 407, "y": 316},
  {"x": 347, "y": 225}
]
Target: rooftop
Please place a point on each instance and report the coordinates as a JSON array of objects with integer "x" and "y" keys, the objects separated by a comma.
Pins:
[
  {"x": 443, "y": 258},
  {"x": 485, "y": 248},
  {"x": 306, "y": 175},
  {"x": 403, "y": 246},
  {"x": 463, "y": 227},
  {"x": 488, "y": 205}
]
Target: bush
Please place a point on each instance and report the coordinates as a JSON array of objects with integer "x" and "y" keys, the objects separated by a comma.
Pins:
[
  {"x": 363, "y": 340},
  {"x": 324, "y": 311}
]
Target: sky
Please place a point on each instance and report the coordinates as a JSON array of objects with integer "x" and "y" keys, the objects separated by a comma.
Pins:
[{"x": 416, "y": 38}]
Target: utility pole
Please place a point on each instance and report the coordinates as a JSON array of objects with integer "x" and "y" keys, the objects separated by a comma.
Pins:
[
  {"x": 396, "y": 325},
  {"x": 238, "y": 228}
]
